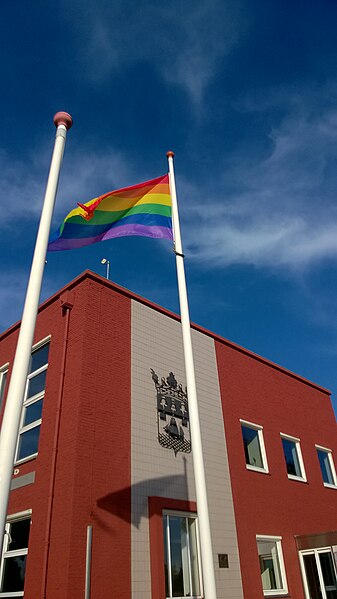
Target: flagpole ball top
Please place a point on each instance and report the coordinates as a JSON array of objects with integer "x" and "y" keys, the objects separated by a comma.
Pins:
[
  {"x": 63, "y": 118},
  {"x": 170, "y": 154}
]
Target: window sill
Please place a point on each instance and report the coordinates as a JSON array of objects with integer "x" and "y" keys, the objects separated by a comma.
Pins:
[
  {"x": 299, "y": 479},
  {"x": 23, "y": 461},
  {"x": 185, "y": 597},
  {"x": 257, "y": 469},
  {"x": 276, "y": 593},
  {"x": 328, "y": 486}
]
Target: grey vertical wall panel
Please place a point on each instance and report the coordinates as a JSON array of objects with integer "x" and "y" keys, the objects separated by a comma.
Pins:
[{"x": 155, "y": 471}]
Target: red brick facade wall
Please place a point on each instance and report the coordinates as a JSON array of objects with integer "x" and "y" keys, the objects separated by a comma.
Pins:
[
  {"x": 93, "y": 473},
  {"x": 92, "y": 484},
  {"x": 271, "y": 504}
]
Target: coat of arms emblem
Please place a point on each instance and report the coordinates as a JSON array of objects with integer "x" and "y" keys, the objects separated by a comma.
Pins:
[{"x": 172, "y": 414}]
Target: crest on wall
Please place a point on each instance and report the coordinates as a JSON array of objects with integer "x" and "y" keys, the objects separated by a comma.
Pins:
[{"x": 172, "y": 414}]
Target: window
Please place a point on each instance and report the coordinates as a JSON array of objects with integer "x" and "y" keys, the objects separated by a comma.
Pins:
[
  {"x": 319, "y": 573},
  {"x": 181, "y": 555},
  {"x": 3, "y": 380},
  {"x": 253, "y": 443},
  {"x": 32, "y": 405},
  {"x": 15, "y": 549},
  {"x": 271, "y": 565},
  {"x": 327, "y": 466},
  {"x": 293, "y": 457}
]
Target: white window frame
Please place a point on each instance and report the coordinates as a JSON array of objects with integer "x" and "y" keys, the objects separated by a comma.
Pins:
[
  {"x": 181, "y": 514},
  {"x": 3, "y": 372},
  {"x": 331, "y": 464},
  {"x": 316, "y": 552},
  {"x": 259, "y": 429},
  {"x": 297, "y": 442},
  {"x": 278, "y": 542},
  {"x": 12, "y": 518},
  {"x": 30, "y": 401}
]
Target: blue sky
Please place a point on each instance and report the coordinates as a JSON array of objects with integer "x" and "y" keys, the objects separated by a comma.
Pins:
[{"x": 245, "y": 93}]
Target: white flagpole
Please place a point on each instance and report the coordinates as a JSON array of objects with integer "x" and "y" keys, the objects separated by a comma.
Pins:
[
  {"x": 207, "y": 563},
  {"x": 11, "y": 419}
]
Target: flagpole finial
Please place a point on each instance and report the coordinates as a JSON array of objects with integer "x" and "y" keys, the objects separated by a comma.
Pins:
[
  {"x": 63, "y": 118},
  {"x": 170, "y": 154}
]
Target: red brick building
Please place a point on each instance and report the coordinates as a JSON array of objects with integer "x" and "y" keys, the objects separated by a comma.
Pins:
[{"x": 103, "y": 502}]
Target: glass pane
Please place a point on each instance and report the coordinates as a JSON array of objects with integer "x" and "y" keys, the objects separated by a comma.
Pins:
[
  {"x": 28, "y": 443},
  {"x": 36, "y": 384},
  {"x": 178, "y": 545},
  {"x": 166, "y": 566},
  {"x": 185, "y": 557},
  {"x": 176, "y": 557},
  {"x": 39, "y": 358},
  {"x": 329, "y": 575},
  {"x": 312, "y": 576},
  {"x": 14, "y": 574},
  {"x": 323, "y": 457},
  {"x": 269, "y": 565},
  {"x": 252, "y": 446},
  {"x": 192, "y": 529},
  {"x": 3, "y": 379},
  {"x": 291, "y": 457},
  {"x": 33, "y": 412},
  {"x": 19, "y": 535}
]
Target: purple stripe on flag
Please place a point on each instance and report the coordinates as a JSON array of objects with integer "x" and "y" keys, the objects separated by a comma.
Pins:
[
  {"x": 137, "y": 229},
  {"x": 122, "y": 231}
]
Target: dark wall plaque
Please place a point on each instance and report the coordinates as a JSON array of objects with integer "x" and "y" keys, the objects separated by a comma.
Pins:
[
  {"x": 223, "y": 560},
  {"x": 172, "y": 414}
]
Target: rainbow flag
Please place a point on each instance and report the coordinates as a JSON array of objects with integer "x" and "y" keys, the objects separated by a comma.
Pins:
[{"x": 144, "y": 209}]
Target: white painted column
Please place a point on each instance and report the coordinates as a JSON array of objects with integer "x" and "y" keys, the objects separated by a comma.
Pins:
[
  {"x": 11, "y": 419},
  {"x": 207, "y": 562}
]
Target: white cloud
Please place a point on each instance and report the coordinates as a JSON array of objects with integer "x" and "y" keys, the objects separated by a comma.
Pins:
[
  {"x": 83, "y": 175},
  {"x": 283, "y": 211},
  {"x": 13, "y": 284},
  {"x": 19, "y": 188},
  {"x": 87, "y": 174},
  {"x": 185, "y": 41},
  {"x": 275, "y": 211}
]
